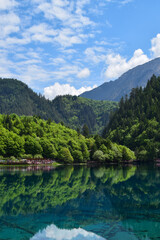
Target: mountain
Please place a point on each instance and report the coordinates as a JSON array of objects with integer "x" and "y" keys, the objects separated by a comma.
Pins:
[
  {"x": 136, "y": 124},
  {"x": 74, "y": 112},
  {"x": 114, "y": 90}
]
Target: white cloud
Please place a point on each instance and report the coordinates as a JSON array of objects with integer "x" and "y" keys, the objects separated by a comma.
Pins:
[
  {"x": 71, "y": 19},
  {"x": 54, "y": 233},
  {"x": 57, "y": 61},
  {"x": 84, "y": 73},
  {"x": 65, "y": 71},
  {"x": 155, "y": 48},
  {"x": 9, "y": 24},
  {"x": 126, "y": 1},
  {"x": 66, "y": 12},
  {"x": 121, "y": 2},
  {"x": 117, "y": 65},
  {"x": 7, "y": 4},
  {"x": 67, "y": 37},
  {"x": 95, "y": 54},
  {"x": 42, "y": 33},
  {"x": 15, "y": 41},
  {"x": 31, "y": 73},
  {"x": 63, "y": 89}
]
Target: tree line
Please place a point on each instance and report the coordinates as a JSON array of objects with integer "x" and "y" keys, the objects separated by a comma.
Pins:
[
  {"x": 136, "y": 123},
  {"x": 17, "y": 97},
  {"x": 33, "y": 137}
]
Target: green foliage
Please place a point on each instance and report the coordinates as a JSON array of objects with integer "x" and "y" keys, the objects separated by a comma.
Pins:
[
  {"x": 137, "y": 122},
  {"x": 77, "y": 156},
  {"x": 39, "y": 156},
  {"x": 32, "y": 146},
  {"x": 71, "y": 111},
  {"x": 85, "y": 130},
  {"x": 127, "y": 154},
  {"x": 85, "y": 151},
  {"x": 65, "y": 155},
  {"x": 26, "y": 156},
  {"x": 57, "y": 142},
  {"x": 49, "y": 150},
  {"x": 99, "y": 156}
]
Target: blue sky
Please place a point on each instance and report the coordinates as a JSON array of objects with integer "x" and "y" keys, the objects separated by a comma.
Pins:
[{"x": 69, "y": 46}]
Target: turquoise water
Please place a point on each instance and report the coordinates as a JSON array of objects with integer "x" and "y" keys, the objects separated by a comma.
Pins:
[{"x": 76, "y": 203}]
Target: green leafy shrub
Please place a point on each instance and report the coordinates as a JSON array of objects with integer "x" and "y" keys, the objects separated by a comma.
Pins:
[
  {"x": 99, "y": 156},
  {"x": 77, "y": 156},
  {"x": 65, "y": 155}
]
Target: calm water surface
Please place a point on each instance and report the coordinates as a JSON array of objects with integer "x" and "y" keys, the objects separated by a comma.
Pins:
[{"x": 76, "y": 203}]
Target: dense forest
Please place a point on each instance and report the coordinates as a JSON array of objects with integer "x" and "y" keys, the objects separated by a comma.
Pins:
[
  {"x": 136, "y": 124},
  {"x": 27, "y": 137},
  {"x": 17, "y": 97}
]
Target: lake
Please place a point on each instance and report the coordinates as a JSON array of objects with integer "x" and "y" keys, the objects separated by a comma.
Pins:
[{"x": 76, "y": 203}]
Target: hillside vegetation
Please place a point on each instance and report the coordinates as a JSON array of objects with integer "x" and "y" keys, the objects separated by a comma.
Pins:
[
  {"x": 27, "y": 137},
  {"x": 17, "y": 97},
  {"x": 137, "y": 122}
]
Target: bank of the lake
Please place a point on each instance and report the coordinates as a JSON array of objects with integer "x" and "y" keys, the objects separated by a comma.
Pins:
[{"x": 29, "y": 137}]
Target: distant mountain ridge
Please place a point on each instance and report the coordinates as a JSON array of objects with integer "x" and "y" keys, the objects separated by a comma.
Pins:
[
  {"x": 74, "y": 112},
  {"x": 136, "y": 77}
]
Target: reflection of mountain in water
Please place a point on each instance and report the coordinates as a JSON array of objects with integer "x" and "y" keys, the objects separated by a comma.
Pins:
[{"x": 114, "y": 202}]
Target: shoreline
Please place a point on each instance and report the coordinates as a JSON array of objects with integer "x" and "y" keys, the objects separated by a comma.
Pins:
[{"x": 89, "y": 163}]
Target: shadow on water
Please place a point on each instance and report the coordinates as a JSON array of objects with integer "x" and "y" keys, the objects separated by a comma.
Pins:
[{"x": 116, "y": 202}]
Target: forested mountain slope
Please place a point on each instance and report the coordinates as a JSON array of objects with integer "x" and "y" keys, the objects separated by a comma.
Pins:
[
  {"x": 28, "y": 136},
  {"x": 17, "y": 97},
  {"x": 137, "y": 122},
  {"x": 133, "y": 78}
]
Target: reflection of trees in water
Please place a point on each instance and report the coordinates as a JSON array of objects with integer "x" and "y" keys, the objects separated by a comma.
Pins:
[
  {"x": 42, "y": 190},
  {"x": 119, "y": 197}
]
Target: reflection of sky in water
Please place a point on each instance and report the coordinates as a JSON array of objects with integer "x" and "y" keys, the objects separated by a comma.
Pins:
[{"x": 54, "y": 233}]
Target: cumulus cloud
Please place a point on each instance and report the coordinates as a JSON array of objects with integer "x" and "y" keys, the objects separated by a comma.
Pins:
[
  {"x": 54, "y": 233},
  {"x": 117, "y": 65},
  {"x": 62, "y": 89},
  {"x": 84, "y": 73},
  {"x": 7, "y": 4},
  {"x": 155, "y": 49}
]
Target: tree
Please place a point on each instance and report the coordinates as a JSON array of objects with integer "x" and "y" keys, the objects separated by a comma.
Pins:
[
  {"x": 65, "y": 155},
  {"x": 99, "y": 156},
  {"x": 32, "y": 146},
  {"x": 49, "y": 150},
  {"x": 85, "y": 151},
  {"x": 85, "y": 130},
  {"x": 14, "y": 145},
  {"x": 77, "y": 156}
]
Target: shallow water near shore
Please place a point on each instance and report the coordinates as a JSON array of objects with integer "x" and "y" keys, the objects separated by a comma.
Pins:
[{"x": 116, "y": 202}]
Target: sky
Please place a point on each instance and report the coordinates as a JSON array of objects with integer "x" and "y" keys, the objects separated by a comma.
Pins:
[{"x": 62, "y": 47}]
